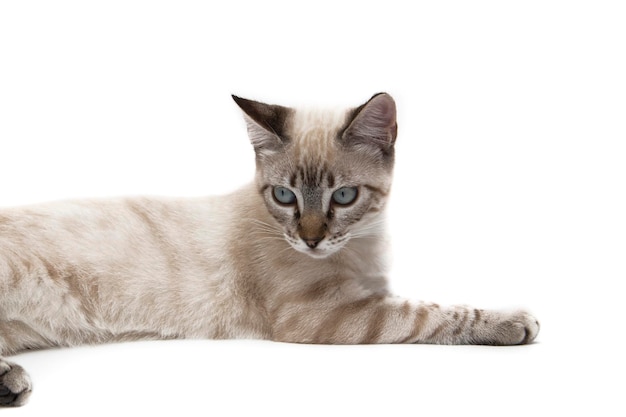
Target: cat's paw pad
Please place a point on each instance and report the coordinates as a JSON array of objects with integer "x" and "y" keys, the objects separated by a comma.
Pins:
[
  {"x": 517, "y": 328},
  {"x": 15, "y": 385}
]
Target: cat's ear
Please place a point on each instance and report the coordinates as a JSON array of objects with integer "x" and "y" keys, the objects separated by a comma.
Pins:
[
  {"x": 266, "y": 124},
  {"x": 373, "y": 124}
]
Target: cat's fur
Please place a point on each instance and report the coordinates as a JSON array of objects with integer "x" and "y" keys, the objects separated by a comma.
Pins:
[{"x": 236, "y": 266}]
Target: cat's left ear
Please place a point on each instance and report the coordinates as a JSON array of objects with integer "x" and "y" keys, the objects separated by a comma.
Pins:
[
  {"x": 267, "y": 124},
  {"x": 374, "y": 124}
]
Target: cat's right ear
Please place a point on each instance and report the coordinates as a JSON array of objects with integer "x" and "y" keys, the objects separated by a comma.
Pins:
[
  {"x": 267, "y": 124},
  {"x": 374, "y": 124}
]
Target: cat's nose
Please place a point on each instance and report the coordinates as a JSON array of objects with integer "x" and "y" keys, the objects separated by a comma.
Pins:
[
  {"x": 312, "y": 243},
  {"x": 312, "y": 228}
]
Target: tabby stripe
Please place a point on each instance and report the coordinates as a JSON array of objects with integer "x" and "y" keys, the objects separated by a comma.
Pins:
[
  {"x": 375, "y": 325},
  {"x": 330, "y": 178},
  {"x": 329, "y": 327},
  {"x": 316, "y": 291},
  {"x": 476, "y": 318},
  {"x": 376, "y": 190},
  {"x": 460, "y": 327},
  {"x": 421, "y": 317},
  {"x": 436, "y": 332},
  {"x": 263, "y": 188}
]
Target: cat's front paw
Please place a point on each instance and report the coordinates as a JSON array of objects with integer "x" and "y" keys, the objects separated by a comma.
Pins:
[
  {"x": 15, "y": 385},
  {"x": 514, "y": 328}
]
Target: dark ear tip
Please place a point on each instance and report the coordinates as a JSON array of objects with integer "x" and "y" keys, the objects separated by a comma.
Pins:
[
  {"x": 243, "y": 103},
  {"x": 387, "y": 96}
]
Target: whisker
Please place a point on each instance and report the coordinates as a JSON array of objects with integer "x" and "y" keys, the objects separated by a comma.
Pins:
[
  {"x": 266, "y": 231},
  {"x": 365, "y": 236},
  {"x": 374, "y": 229},
  {"x": 285, "y": 249},
  {"x": 263, "y": 227},
  {"x": 367, "y": 233},
  {"x": 260, "y": 222},
  {"x": 272, "y": 238},
  {"x": 349, "y": 250}
]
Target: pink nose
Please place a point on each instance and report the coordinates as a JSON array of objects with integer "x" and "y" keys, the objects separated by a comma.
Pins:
[{"x": 312, "y": 243}]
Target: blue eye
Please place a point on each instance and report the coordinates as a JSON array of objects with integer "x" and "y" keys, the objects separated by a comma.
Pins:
[
  {"x": 345, "y": 195},
  {"x": 284, "y": 195}
]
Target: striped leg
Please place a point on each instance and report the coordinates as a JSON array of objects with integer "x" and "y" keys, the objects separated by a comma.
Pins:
[{"x": 376, "y": 319}]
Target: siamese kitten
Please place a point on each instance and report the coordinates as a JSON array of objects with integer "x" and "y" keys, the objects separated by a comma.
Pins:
[{"x": 295, "y": 256}]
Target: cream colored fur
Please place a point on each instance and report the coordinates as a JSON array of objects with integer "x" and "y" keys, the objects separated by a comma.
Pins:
[{"x": 232, "y": 266}]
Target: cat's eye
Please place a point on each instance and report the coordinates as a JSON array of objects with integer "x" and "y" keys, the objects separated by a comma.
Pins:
[
  {"x": 345, "y": 195},
  {"x": 284, "y": 195}
]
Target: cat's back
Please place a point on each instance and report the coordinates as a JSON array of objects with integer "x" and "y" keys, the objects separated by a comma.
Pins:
[
  {"x": 107, "y": 267},
  {"x": 72, "y": 228}
]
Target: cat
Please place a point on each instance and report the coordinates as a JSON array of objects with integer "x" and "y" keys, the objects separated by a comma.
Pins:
[{"x": 295, "y": 256}]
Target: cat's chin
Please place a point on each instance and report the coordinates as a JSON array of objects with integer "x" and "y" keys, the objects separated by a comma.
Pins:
[{"x": 316, "y": 253}]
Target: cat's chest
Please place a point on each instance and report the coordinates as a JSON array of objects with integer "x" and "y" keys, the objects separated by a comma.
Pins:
[{"x": 363, "y": 269}]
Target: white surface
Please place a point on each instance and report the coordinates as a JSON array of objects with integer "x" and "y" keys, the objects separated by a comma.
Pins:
[{"x": 509, "y": 191}]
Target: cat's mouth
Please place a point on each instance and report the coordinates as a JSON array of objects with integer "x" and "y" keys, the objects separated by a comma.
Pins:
[{"x": 320, "y": 250}]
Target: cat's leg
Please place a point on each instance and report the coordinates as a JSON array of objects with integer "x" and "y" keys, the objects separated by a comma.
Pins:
[
  {"x": 15, "y": 385},
  {"x": 377, "y": 319}
]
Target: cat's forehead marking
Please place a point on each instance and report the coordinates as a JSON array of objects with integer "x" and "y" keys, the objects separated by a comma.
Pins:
[
  {"x": 315, "y": 133},
  {"x": 312, "y": 175}
]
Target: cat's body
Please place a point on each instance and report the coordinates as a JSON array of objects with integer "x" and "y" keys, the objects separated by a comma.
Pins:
[
  {"x": 179, "y": 254},
  {"x": 296, "y": 256}
]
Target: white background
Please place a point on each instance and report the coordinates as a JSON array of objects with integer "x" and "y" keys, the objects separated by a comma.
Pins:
[{"x": 510, "y": 186}]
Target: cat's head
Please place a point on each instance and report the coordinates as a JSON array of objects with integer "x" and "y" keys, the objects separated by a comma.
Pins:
[{"x": 324, "y": 175}]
